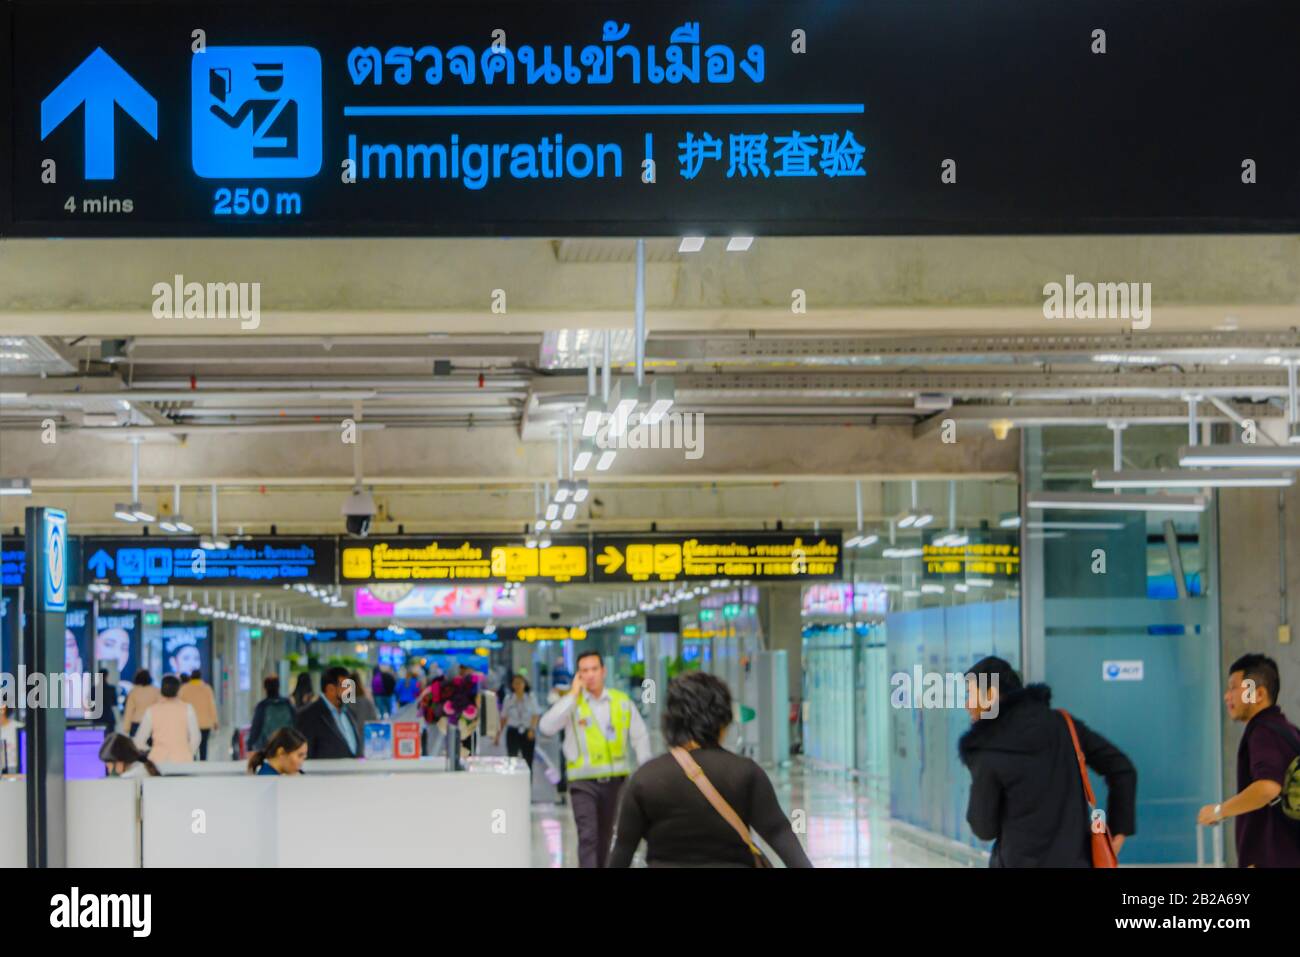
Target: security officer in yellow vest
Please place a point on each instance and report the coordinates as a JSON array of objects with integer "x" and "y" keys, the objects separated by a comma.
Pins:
[{"x": 604, "y": 730}]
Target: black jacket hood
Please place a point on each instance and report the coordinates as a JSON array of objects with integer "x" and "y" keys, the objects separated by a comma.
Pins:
[{"x": 1018, "y": 727}]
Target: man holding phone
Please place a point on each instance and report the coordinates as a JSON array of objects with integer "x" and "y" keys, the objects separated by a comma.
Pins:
[{"x": 606, "y": 741}]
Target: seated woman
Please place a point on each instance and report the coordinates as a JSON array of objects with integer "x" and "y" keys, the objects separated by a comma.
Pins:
[
  {"x": 285, "y": 753},
  {"x": 122, "y": 759},
  {"x": 695, "y": 805}
]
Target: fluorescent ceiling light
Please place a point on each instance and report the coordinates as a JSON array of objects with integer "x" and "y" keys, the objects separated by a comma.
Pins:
[
  {"x": 15, "y": 486},
  {"x": 1245, "y": 456},
  {"x": 580, "y": 491},
  {"x": 539, "y": 525},
  {"x": 562, "y": 491},
  {"x": 691, "y": 244},
  {"x": 923, "y": 520},
  {"x": 1079, "y": 526},
  {"x": 1009, "y": 521},
  {"x": 980, "y": 582},
  {"x": 182, "y": 525},
  {"x": 555, "y": 525},
  {"x": 124, "y": 512},
  {"x": 739, "y": 244},
  {"x": 961, "y": 587},
  {"x": 606, "y": 460},
  {"x": 167, "y": 525},
  {"x": 582, "y": 461},
  {"x": 141, "y": 513},
  {"x": 570, "y": 510},
  {"x": 552, "y": 510},
  {"x": 907, "y": 521},
  {"x": 901, "y": 553},
  {"x": 932, "y": 589},
  {"x": 911, "y": 593},
  {"x": 222, "y": 543},
  {"x": 1213, "y": 478},
  {"x": 1103, "y": 502}
]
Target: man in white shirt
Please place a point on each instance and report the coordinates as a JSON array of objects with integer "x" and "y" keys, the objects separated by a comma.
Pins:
[{"x": 606, "y": 741}]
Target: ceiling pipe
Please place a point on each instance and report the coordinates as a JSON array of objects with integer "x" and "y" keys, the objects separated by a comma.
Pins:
[{"x": 640, "y": 313}]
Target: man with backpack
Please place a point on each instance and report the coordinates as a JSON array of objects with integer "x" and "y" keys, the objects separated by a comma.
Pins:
[
  {"x": 1267, "y": 802},
  {"x": 271, "y": 714}
]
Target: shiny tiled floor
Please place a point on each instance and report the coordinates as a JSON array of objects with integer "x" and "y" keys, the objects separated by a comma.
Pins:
[{"x": 839, "y": 824}]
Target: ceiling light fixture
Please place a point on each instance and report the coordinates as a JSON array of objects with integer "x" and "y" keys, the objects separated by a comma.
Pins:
[
  {"x": 1210, "y": 478},
  {"x": 1238, "y": 456},
  {"x": 1098, "y": 502}
]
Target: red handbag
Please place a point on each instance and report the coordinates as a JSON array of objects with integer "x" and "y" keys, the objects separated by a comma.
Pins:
[{"x": 1103, "y": 849}]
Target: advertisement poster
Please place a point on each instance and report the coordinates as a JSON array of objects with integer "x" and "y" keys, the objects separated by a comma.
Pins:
[
  {"x": 187, "y": 647},
  {"x": 406, "y": 739},
  {"x": 77, "y": 660},
  {"x": 117, "y": 645},
  {"x": 432, "y": 601}
]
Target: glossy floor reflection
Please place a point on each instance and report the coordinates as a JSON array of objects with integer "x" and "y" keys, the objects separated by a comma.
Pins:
[{"x": 839, "y": 822}]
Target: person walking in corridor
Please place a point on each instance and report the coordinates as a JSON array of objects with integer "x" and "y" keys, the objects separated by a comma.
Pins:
[
  {"x": 172, "y": 725},
  {"x": 520, "y": 714},
  {"x": 1266, "y": 836},
  {"x": 695, "y": 805},
  {"x": 605, "y": 740},
  {"x": 1027, "y": 792},
  {"x": 143, "y": 694},
  {"x": 199, "y": 695}
]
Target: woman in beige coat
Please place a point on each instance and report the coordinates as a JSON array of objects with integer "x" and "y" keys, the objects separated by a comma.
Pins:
[
  {"x": 173, "y": 726},
  {"x": 143, "y": 694}
]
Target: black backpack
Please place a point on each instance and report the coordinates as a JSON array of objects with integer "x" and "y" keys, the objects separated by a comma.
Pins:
[{"x": 279, "y": 714}]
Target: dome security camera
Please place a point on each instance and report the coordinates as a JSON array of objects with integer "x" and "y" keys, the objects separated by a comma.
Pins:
[{"x": 358, "y": 510}]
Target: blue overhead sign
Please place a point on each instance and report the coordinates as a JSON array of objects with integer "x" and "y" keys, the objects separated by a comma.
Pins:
[
  {"x": 13, "y": 562},
  {"x": 166, "y": 561},
  {"x": 679, "y": 117}
]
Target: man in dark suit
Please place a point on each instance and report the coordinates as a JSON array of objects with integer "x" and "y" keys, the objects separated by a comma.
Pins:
[{"x": 328, "y": 723}]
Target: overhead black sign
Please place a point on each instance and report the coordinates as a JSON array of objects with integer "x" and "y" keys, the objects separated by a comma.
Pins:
[
  {"x": 762, "y": 556},
  {"x": 158, "y": 560},
  {"x": 714, "y": 116}
]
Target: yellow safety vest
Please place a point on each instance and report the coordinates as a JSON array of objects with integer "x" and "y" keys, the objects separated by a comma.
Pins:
[{"x": 599, "y": 757}]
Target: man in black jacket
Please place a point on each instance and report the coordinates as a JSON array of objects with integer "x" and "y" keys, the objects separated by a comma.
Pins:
[
  {"x": 1026, "y": 791},
  {"x": 328, "y": 723}
]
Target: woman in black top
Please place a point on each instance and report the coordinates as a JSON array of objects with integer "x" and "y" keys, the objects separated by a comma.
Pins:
[{"x": 661, "y": 804}]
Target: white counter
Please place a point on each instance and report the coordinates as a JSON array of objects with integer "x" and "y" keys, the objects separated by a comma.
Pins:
[{"x": 364, "y": 814}]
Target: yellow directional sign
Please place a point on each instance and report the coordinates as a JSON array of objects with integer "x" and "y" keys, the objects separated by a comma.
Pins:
[
  {"x": 459, "y": 560},
  {"x": 762, "y": 555},
  {"x": 552, "y": 634},
  {"x": 610, "y": 559}
]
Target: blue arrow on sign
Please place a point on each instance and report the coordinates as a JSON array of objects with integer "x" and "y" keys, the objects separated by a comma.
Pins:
[
  {"x": 100, "y": 84},
  {"x": 100, "y": 562}
]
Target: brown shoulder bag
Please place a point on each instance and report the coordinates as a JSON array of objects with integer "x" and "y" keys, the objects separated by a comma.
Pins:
[
  {"x": 1103, "y": 850},
  {"x": 725, "y": 810}
]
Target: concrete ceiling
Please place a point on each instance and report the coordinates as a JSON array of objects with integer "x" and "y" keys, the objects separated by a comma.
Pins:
[{"x": 460, "y": 403}]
